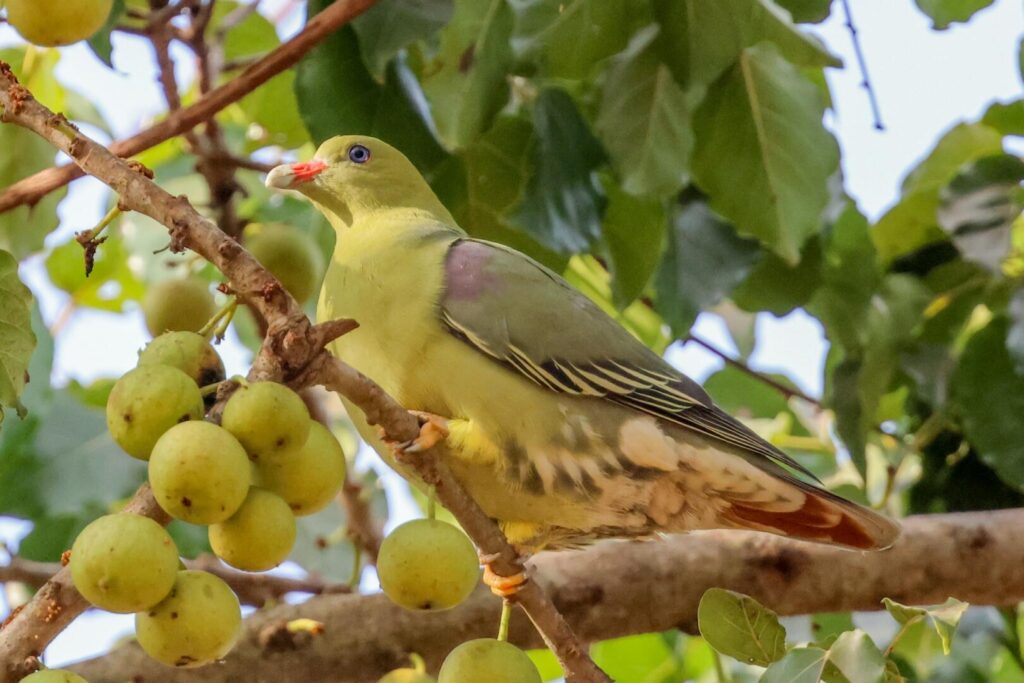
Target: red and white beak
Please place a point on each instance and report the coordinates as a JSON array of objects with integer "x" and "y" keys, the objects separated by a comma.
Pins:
[{"x": 290, "y": 176}]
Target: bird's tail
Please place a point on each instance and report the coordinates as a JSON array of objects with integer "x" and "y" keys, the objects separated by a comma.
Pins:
[{"x": 823, "y": 517}]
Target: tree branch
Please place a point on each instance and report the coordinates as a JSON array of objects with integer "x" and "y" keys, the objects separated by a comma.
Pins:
[
  {"x": 252, "y": 589},
  {"x": 30, "y": 190},
  {"x": 293, "y": 351},
  {"x": 616, "y": 588}
]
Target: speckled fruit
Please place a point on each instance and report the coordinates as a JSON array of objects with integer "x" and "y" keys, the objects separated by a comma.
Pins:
[
  {"x": 53, "y": 675},
  {"x": 427, "y": 564},
  {"x": 178, "y": 304},
  {"x": 196, "y": 624},
  {"x": 57, "y": 22},
  {"x": 259, "y": 536},
  {"x": 310, "y": 477},
  {"x": 268, "y": 418},
  {"x": 124, "y": 563},
  {"x": 407, "y": 676},
  {"x": 187, "y": 351},
  {"x": 290, "y": 254},
  {"x": 148, "y": 401},
  {"x": 494, "y": 661},
  {"x": 199, "y": 473}
]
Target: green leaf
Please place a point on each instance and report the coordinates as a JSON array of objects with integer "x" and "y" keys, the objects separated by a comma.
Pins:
[
  {"x": 944, "y": 618},
  {"x": 701, "y": 39},
  {"x": 989, "y": 395},
  {"x": 800, "y": 665},
  {"x": 17, "y": 341},
  {"x": 740, "y": 627},
  {"x": 468, "y": 85},
  {"x": 274, "y": 108},
  {"x": 828, "y": 626},
  {"x": 960, "y": 144},
  {"x": 807, "y": 11},
  {"x": 705, "y": 259},
  {"x": 99, "y": 43},
  {"x": 111, "y": 283},
  {"x": 23, "y": 228},
  {"x": 563, "y": 202},
  {"x": 1015, "y": 331},
  {"x": 645, "y": 657},
  {"x": 778, "y": 287},
  {"x": 546, "y": 663},
  {"x": 482, "y": 183},
  {"x": 389, "y": 26},
  {"x": 857, "y": 659},
  {"x": 328, "y": 76},
  {"x": 740, "y": 394},
  {"x": 762, "y": 153},
  {"x": 634, "y": 234},
  {"x": 979, "y": 207},
  {"x": 644, "y": 121},
  {"x": 566, "y": 39},
  {"x": 946, "y": 12},
  {"x": 1007, "y": 118},
  {"x": 321, "y": 546}
]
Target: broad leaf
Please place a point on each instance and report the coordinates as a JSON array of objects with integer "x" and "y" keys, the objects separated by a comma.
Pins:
[
  {"x": 487, "y": 179},
  {"x": 989, "y": 395},
  {"x": 807, "y": 11},
  {"x": 944, "y": 618},
  {"x": 800, "y": 665},
  {"x": 322, "y": 546},
  {"x": 108, "y": 287},
  {"x": 1015, "y": 331},
  {"x": 389, "y": 26},
  {"x": 1007, "y": 118},
  {"x": 703, "y": 261},
  {"x": 979, "y": 207},
  {"x": 23, "y": 229},
  {"x": 644, "y": 121},
  {"x": 740, "y": 627},
  {"x": 567, "y": 39},
  {"x": 644, "y": 657},
  {"x": 960, "y": 144},
  {"x": 469, "y": 86},
  {"x": 856, "y": 658},
  {"x": 99, "y": 43},
  {"x": 701, "y": 39},
  {"x": 563, "y": 202},
  {"x": 17, "y": 341},
  {"x": 393, "y": 111},
  {"x": 946, "y": 12},
  {"x": 762, "y": 153},
  {"x": 634, "y": 234},
  {"x": 778, "y": 287}
]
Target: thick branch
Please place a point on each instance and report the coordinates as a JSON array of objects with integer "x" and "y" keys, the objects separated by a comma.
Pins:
[
  {"x": 291, "y": 346},
  {"x": 616, "y": 589},
  {"x": 35, "y": 187}
]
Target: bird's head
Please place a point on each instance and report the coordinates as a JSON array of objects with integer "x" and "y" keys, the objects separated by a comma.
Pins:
[{"x": 353, "y": 175}]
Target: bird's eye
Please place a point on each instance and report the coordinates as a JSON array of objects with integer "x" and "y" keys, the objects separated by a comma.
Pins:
[{"x": 358, "y": 154}]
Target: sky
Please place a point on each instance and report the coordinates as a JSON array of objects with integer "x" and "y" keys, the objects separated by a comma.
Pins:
[{"x": 925, "y": 82}]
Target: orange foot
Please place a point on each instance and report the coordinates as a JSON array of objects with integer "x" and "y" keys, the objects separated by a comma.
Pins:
[
  {"x": 503, "y": 586},
  {"x": 433, "y": 430}
]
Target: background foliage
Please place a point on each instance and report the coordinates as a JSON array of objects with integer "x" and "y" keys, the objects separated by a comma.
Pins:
[{"x": 669, "y": 156}]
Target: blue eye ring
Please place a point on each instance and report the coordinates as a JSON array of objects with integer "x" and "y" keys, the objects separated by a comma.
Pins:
[{"x": 358, "y": 154}]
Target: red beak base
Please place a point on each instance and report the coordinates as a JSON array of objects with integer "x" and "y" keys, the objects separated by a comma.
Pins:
[{"x": 306, "y": 171}]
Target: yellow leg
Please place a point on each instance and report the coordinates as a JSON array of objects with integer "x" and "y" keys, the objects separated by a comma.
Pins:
[
  {"x": 433, "y": 430},
  {"x": 503, "y": 586}
]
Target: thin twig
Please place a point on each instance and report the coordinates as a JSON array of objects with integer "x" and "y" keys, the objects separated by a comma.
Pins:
[
  {"x": 865, "y": 83},
  {"x": 252, "y": 589},
  {"x": 30, "y": 190},
  {"x": 293, "y": 351},
  {"x": 788, "y": 392}
]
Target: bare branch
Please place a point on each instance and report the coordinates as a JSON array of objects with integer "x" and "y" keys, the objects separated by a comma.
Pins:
[
  {"x": 35, "y": 187},
  {"x": 617, "y": 588},
  {"x": 292, "y": 351},
  {"x": 252, "y": 589}
]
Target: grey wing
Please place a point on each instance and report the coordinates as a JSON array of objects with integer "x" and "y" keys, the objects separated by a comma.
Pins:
[{"x": 529, "y": 319}]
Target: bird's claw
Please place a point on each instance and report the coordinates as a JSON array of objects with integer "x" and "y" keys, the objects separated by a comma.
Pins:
[
  {"x": 503, "y": 586},
  {"x": 433, "y": 430}
]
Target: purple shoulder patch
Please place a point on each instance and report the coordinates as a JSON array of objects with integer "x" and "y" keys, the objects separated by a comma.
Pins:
[{"x": 466, "y": 276}]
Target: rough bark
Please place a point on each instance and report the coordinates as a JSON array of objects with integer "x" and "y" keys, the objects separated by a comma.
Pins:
[{"x": 616, "y": 589}]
